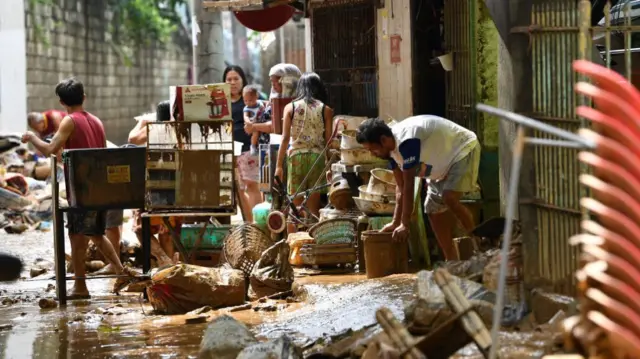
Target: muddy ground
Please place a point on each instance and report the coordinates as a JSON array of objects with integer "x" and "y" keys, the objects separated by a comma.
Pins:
[{"x": 117, "y": 327}]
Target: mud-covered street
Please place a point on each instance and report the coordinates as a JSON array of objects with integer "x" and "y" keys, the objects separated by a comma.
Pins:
[{"x": 111, "y": 326}]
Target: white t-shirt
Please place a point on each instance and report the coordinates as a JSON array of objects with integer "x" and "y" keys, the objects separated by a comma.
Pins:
[{"x": 432, "y": 142}]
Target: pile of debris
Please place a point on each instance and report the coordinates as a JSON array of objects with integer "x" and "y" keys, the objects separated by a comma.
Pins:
[{"x": 25, "y": 187}]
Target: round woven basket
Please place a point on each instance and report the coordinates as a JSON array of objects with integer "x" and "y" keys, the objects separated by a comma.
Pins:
[
  {"x": 243, "y": 246},
  {"x": 334, "y": 231}
]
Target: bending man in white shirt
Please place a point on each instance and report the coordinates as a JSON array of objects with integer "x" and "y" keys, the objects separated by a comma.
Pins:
[{"x": 431, "y": 147}]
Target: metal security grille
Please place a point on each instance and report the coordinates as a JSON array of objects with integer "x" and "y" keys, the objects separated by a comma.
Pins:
[
  {"x": 344, "y": 48},
  {"x": 461, "y": 83}
]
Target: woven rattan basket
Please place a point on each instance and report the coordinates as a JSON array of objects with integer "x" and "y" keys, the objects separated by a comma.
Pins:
[
  {"x": 334, "y": 231},
  {"x": 244, "y": 245}
]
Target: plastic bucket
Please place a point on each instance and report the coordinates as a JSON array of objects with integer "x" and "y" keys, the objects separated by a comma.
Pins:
[{"x": 384, "y": 256}]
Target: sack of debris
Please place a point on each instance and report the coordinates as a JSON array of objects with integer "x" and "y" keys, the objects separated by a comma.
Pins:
[
  {"x": 515, "y": 305},
  {"x": 272, "y": 273},
  {"x": 281, "y": 348},
  {"x": 430, "y": 309},
  {"x": 471, "y": 269},
  {"x": 181, "y": 288}
]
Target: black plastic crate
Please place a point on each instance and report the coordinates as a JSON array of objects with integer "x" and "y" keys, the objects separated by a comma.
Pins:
[{"x": 105, "y": 177}]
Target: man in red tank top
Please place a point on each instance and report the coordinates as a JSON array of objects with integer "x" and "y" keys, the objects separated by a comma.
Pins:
[
  {"x": 78, "y": 130},
  {"x": 45, "y": 123}
]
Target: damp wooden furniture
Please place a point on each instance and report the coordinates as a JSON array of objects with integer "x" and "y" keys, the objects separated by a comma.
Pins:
[
  {"x": 98, "y": 180},
  {"x": 191, "y": 172}
]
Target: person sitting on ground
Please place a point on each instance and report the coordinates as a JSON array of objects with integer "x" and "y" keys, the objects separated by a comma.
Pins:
[
  {"x": 81, "y": 130},
  {"x": 162, "y": 248},
  {"x": 253, "y": 113},
  {"x": 45, "y": 123},
  {"x": 431, "y": 147},
  {"x": 306, "y": 131}
]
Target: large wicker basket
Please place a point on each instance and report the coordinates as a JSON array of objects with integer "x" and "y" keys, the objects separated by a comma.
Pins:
[
  {"x": 244, "y": 245},
  {"x": 334, "y": 231}
]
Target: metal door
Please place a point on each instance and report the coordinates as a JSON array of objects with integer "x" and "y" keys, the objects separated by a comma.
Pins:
[{"x": 344, "y": 54}]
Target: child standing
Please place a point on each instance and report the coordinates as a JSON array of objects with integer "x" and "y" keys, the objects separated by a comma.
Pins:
[
  {"x": 306, "y": 131},
  {"x": 254, "y": 113}
]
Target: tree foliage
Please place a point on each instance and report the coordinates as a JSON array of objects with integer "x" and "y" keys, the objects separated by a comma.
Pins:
[
  {"x": 144, "y": 21},
  {"x": 134, "y": 22}
]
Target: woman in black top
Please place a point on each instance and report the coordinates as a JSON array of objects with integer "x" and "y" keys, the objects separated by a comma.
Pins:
[{"x": 247, "y": 165}]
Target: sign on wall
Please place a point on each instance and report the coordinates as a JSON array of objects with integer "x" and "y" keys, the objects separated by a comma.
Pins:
[{"x": 395, "y": 41}]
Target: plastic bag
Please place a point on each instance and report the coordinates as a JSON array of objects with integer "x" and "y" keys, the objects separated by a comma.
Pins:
[
  {"x": 182, "y": 288},
  {"x": 272, "y": 273},
  {"x": 281, "y": 348}
]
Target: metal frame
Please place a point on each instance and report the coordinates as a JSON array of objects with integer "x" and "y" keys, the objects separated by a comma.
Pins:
[
  {"x": 570, "y": 140},
  {"x": 58, "y": 238}
]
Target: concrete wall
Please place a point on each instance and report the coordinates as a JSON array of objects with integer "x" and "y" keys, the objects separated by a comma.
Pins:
[
  {"x": 78, "y": 33},
  {"x": 394, "y": 80},
  {"x": 13, "y": 89}
]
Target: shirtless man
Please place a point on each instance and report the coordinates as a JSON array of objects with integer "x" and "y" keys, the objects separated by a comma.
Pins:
[
  {"x": 78, "y": 130},
  {"x": 45, "y": 123},
  {"x": 430, "y": 147}
]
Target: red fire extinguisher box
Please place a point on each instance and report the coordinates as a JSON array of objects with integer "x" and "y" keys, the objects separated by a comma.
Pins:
[{"x": 277, "y": 111}]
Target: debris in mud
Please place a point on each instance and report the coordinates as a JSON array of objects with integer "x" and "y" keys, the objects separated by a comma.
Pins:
[
  {"x": 47, "y": 303},
  {"x": 183, "y": 287},
  {"x": 34, "y": 272},
  {"x": 203, "y": 310},
  {"x": 238, "y": 308},
  {"x": 281, "y": 348},
  {"x": 272, "y": 273},
  {"x": 18, "y": 228},
  {"x": 545, "y": 305},
  {"x": 117, "y": 309},
  {"x": 225, "y": 338},
  {"x": 40, "y": 267},
  {"x": 4, "y": 327},
  {"x": 9, "y": 301},
  {"x": 429, "y": 310},
  {"x": 471, "y": 269},
  {"x": 270, "y": 306},
  {"x": 196, "y": 320}
]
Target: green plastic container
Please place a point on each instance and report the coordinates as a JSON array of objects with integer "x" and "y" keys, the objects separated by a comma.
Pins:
[
  {"x": 260, "y": 214},
  {"x": 212, "y": 238}
]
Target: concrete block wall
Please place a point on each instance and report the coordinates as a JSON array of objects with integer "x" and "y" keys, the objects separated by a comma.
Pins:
[{"x": 78, "y": 33}]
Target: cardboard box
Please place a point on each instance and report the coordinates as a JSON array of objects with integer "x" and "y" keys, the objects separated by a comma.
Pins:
[{"x": 201, "y": 102}]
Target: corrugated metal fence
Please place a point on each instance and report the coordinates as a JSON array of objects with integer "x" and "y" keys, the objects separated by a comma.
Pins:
[
  {"x": 554, "y": 45},
  {"x": 561, "y": 32}
]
